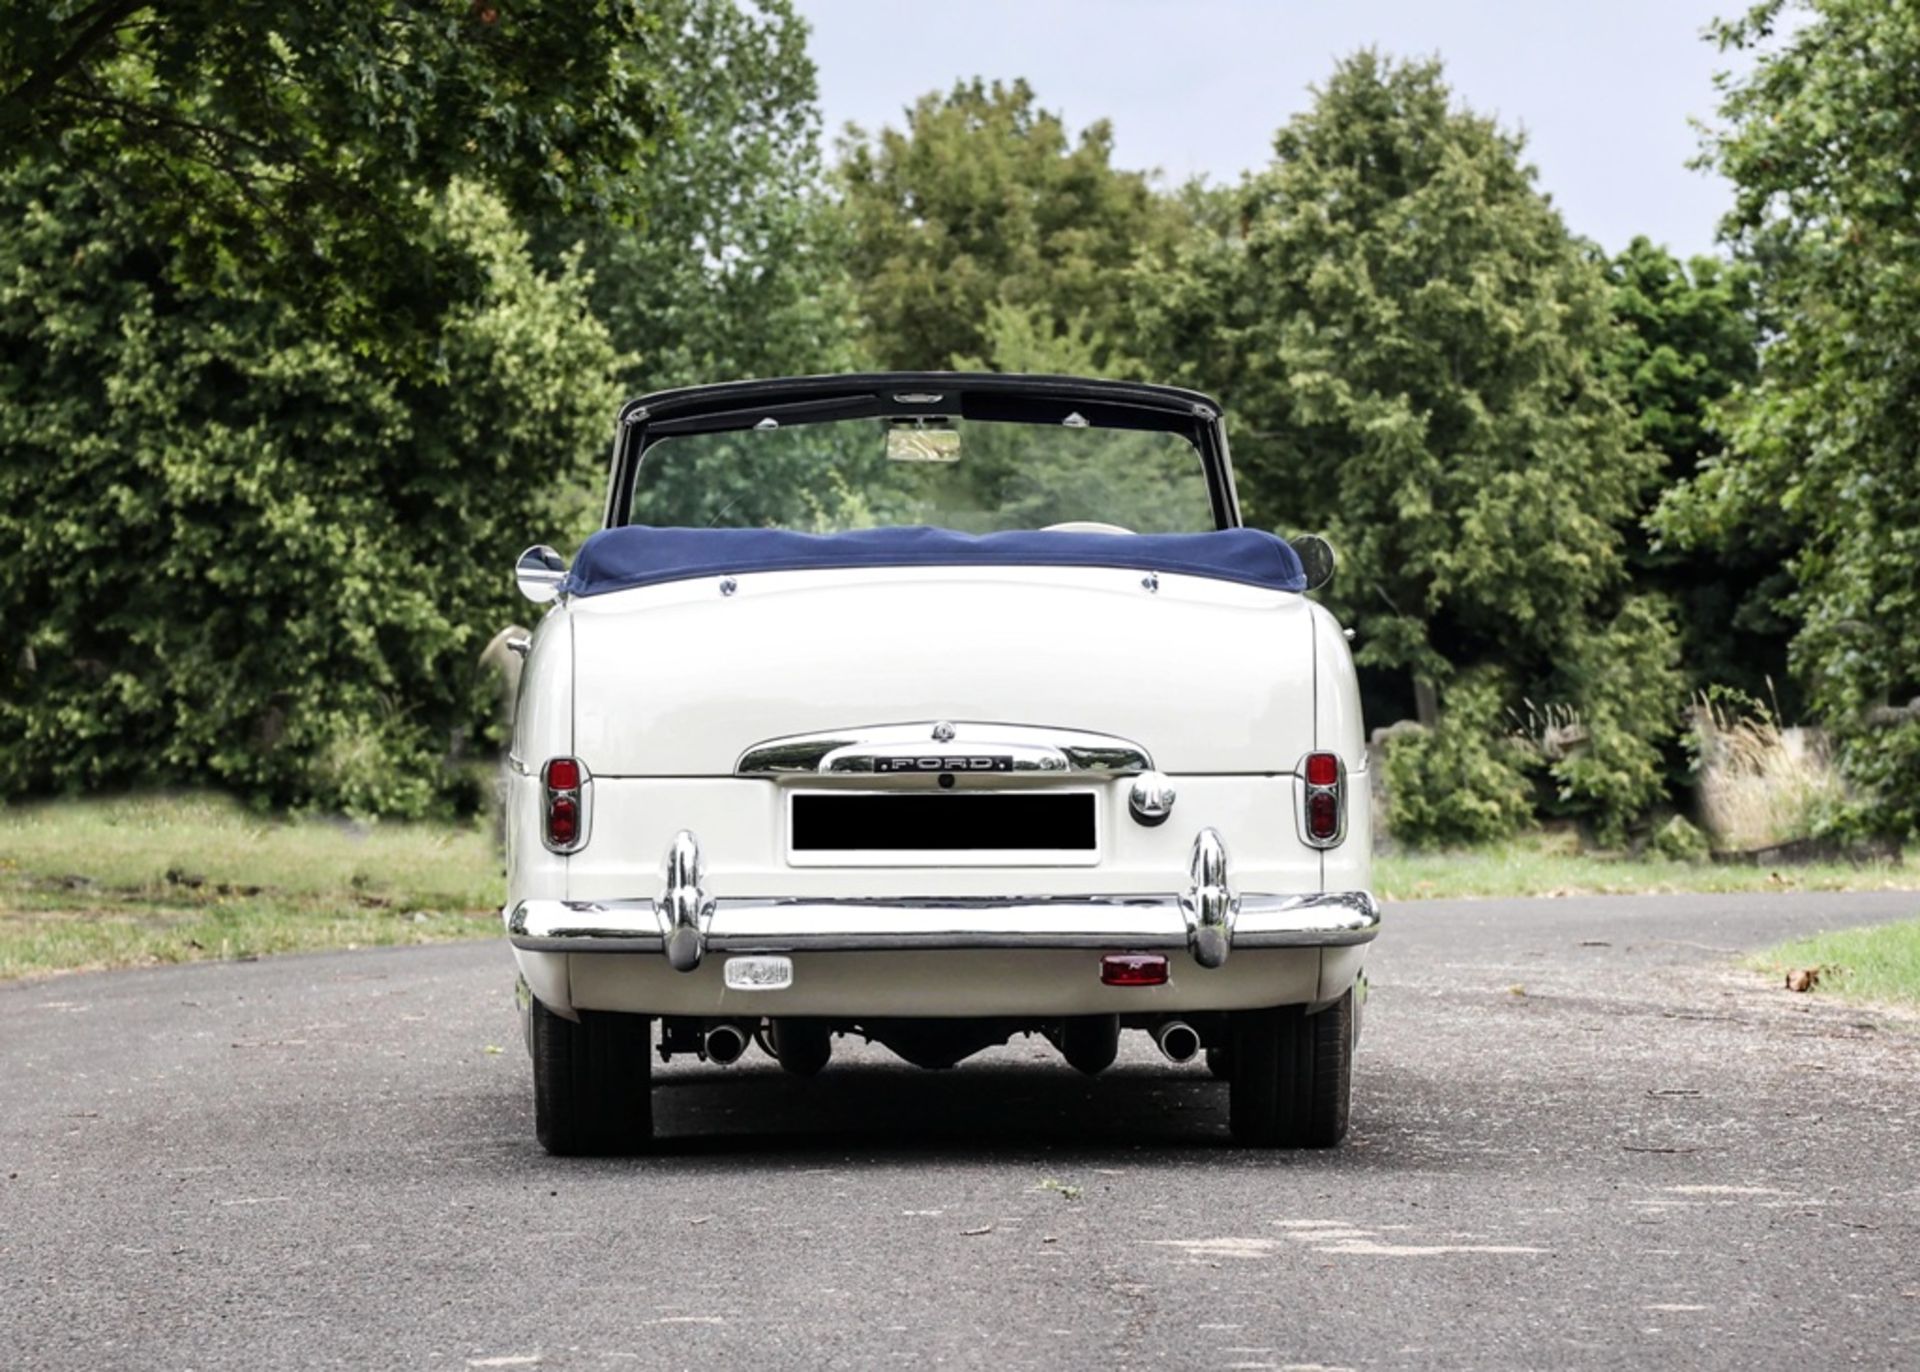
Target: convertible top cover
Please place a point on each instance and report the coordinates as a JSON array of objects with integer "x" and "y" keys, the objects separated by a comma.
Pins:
[{"x": 637, "y": 555}]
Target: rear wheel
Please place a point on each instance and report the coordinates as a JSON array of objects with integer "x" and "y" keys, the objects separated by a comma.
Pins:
[
  {"x": 1291, "y": 1075},
  {"x": 592, "y": 1082}
]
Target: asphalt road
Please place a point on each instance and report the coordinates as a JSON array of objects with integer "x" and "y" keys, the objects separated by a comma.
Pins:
[{"x": 1580, "y": 1140}]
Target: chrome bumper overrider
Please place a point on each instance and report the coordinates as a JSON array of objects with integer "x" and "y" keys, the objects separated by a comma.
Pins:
[{"x": 1208, "y": 918}]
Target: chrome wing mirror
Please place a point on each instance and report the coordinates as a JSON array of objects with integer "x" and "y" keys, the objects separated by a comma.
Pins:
[
  {"x": 540, "y": 573},
  {"x": 1316, "y": 558}
]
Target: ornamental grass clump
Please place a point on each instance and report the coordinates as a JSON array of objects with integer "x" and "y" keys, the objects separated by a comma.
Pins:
[{"x": 1761, "y": 784}]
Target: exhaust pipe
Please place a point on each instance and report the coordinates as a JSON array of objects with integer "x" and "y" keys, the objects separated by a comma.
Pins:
[
  {"x": 1178, "y": 1040},
  {"x": 724, "y": 1043}
]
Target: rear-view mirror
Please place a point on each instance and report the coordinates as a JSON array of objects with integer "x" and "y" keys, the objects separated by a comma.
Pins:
[
  {"x": 1316, "y": 558},
  {"x": 539, "y": 573},
  {"x": 918, "y": 443}
]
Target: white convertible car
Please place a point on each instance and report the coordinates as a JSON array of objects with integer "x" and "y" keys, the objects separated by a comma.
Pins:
[{"x": 935, "y": 709}]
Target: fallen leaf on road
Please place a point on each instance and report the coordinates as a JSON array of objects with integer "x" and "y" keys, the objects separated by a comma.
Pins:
[{"x": 1803, "y": 978}]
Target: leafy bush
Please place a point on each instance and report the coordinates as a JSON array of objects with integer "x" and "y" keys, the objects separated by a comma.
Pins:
[
  {"x": 1885, "y": 763},
  {"x": 1464, "y": 781},
  {"x": 234, "y": 552},
  {"x": 1680, "y": 841},
  {"x": 1624, "y": 676}
]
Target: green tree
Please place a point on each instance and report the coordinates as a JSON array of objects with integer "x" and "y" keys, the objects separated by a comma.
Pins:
[
  {"x": 233, "y": 550},
  {"x": 984, "y": 199},
  {"x": 287, "y": 144},
  {"x": 736, "y": 268},
  {"x": 1690, "y": 336},
  {"x": 1409, "y": 342},
  {"x": 1822, "y": 143}
]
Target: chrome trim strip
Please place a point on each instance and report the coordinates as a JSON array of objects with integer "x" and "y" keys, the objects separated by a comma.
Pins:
[
  {"x": 814, "y": 924},
  {"x": 903, "y": 747}
]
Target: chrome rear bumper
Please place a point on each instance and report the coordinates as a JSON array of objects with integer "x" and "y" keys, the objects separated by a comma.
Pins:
[
  {"x": 1146, "y": 923},
  {"x": 1209, "y": 919}
]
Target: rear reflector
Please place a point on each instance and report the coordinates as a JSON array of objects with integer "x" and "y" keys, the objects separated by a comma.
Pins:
[
  {"x": 1323, "y": 769},
  {"x": 563, "y": 821},
  {"x": 563, "y": 774},
  {"x": 1323, "y": 815},
  {"x": 1134, "y": 969}
]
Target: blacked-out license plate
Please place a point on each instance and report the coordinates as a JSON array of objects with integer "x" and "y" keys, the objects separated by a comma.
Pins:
[{"x": 944, "y": 822}]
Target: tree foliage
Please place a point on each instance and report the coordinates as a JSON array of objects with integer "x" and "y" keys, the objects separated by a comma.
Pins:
[
  {"x": 1820, "y": 141},
  {"x": 232, "y": 550},
  {"x": 736, "y": 267},
  {"x": 1690, "y": 336},
  {"x": 984, "y": 199},
  {"x": 287, "y": 144},
  {"x": 1410, "y": 343}
]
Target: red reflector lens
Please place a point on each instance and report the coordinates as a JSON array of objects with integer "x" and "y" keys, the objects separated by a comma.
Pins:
[
  {"x": 1134, "y": 969},
  {"x": 1323, "y": 769},
  {"x": 563, "y": 774},
  {"x": 563, "y": 821},
  {"x": 1323, "y": 814}
]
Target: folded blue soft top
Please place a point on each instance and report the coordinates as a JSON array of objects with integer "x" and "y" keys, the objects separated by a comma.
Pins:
[{"x": 636, "y": 555}]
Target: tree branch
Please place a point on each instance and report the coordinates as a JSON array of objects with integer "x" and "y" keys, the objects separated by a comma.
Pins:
[{"x": 17, "y": 105}]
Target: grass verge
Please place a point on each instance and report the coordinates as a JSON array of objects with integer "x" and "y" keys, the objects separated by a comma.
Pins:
[
  {"x": 120, "y": 883},
  {"x": 1554, "y": 864},
  {"x": 1878, "y": 964}
]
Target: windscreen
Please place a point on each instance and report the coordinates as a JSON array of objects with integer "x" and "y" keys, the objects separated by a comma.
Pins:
[{"x": 976, "y": 476}]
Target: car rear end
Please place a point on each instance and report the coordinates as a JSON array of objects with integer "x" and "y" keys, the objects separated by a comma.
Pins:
[{"x": 938, "y": 807}]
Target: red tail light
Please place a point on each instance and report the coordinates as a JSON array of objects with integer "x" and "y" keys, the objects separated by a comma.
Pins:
[
  {"x": 564, "y": 785},
  {"x": 1324, "y": 800},
  {"x": 1134, "y": 969}
]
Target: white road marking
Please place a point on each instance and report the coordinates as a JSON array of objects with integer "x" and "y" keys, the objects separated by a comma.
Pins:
[
  {"x": 1368, "y": 1249},
  {"x": 1220, "y": 1248}
]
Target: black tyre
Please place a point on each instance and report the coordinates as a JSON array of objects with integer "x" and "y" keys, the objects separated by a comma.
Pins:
[
  {"x": 592, "y": 1082},
  {"x": 1292, "y": 1076}
]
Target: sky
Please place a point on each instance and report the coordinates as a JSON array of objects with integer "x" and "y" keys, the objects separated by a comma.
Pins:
[{"x": 1604, "y": 89}]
